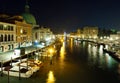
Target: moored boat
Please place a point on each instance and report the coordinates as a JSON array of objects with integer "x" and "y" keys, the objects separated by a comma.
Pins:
[{"x": 14, "y": 71}]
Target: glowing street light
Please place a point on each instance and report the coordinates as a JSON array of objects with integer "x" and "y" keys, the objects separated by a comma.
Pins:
[{"x": 51, "y": 50}]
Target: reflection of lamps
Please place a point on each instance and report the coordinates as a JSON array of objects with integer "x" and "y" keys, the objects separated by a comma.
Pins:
[
  {"x": 51, "y": 78},
  {"x": 51, "y": 51}
]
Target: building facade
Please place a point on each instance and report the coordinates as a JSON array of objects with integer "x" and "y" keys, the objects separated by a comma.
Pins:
[
  {"x": 41, "y": 34},
  {"x": 90, "y": 32},
  {"x": 23, "y": 34},
  {"x": 7, "y": 36},
  {"x": 14, "y": 33}
]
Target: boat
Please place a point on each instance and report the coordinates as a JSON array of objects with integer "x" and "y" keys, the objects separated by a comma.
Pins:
[
  {"x": 111, "y": 52},
  {"x": 23, "y": 69},
  {"x": 31, "y": 66},
  {"x": 14, "y": 71}
]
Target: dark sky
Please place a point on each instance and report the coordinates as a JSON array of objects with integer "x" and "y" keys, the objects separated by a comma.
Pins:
[{"x": 68, "y": 15}]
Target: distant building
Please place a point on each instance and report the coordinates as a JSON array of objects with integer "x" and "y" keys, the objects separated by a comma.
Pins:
[
  {"x": 79, "y": 33},
  {"x": 85, "y": 33},
  {"x": 41, "y": 34},
  {"x": 118, "y": 32},
  {"x": 90, "y": 32},
  {"x": 28, "y": 17},
  {"x": 115, "y": 36}
]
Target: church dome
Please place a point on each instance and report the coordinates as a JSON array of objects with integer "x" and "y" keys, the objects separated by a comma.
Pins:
[{"x": 29, "y": 18}]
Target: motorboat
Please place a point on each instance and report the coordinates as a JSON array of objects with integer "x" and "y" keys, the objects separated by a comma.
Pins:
[
  {"x": 18, "y": 72},
  {"x": 31, "y": 66},
  {"x": 24, "y": 68}
]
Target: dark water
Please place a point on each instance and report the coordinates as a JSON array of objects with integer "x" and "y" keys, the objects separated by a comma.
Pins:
[{"x": 77, "y": 62}]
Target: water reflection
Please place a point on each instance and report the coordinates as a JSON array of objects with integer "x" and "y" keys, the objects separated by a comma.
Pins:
[
  {"x": 92, "y": 52},
  {"x": 101, "y": 50},
  {"x": 89, "y": 49},
  {"x": 98, "y": 58},
  {"x": 108, "y": 60},
  {"x": 71, "y": 44},
  {"x": 51, "y": 78},
  {"x": 62, "y": 52},
  {"x": 62, "y": 57}
]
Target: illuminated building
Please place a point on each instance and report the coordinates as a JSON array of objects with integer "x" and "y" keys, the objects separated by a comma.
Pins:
[
  {"x": 80, "y": 33},
  {"x": 14, "y": 32},
  {"x": 7, "y": 36},
  {"x": 90, "y": 32},
  {"x": 41, "y": 34},
  {"x": 24, "y": 34},
  {"x": 114, "y": 37},
  {"x": 86, "y": 33}
]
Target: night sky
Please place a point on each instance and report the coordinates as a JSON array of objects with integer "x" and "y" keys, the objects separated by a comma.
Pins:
[{"x": 68, "y": 15}]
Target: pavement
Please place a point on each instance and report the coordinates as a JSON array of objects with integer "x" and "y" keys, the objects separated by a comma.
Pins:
[{"x": 6, "y": 56}]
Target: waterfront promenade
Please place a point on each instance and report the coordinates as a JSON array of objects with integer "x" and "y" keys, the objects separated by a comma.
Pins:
[{"x": 6, "y": 56}]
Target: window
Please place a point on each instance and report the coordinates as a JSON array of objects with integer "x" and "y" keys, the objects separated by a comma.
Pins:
[
  {"x": 11, "y": 28},
  {"x": 1, "y": 38},
  {"x": 8, "y": 37},
  {"x": 5, "y": 37},
  {"x": 1, "y": 27}
]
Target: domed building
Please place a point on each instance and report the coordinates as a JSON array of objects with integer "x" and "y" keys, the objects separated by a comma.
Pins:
[{"x": 28, "y": 17}]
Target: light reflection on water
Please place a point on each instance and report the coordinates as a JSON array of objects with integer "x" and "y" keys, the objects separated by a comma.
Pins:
[
  {"x": 62, "y": 52},
  {"x": 101, "y": 50},
  {"x": 98, "y": 58},
  {"x": 62, "y": 57},
  {"x": 71, "y": 44},
  {"x": 108, "y": 60},
  {"x": 51, "y": 78}
]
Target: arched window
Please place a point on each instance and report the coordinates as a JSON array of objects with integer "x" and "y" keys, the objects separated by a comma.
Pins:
[
  {"x": 1, "y": 38},
  {"x": 11, "y": 28},
  {"x": 5, "y": 37},
  {"x": 8, "y": 37}
]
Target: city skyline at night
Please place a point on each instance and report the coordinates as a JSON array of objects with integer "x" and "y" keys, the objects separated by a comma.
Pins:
[
  {"x": 59, "y": 41},
  {"x": 68, "y": 15}
]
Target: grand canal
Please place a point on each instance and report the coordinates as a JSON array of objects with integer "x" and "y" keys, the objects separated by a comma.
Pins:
[{"x": 76, "y": 62}]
